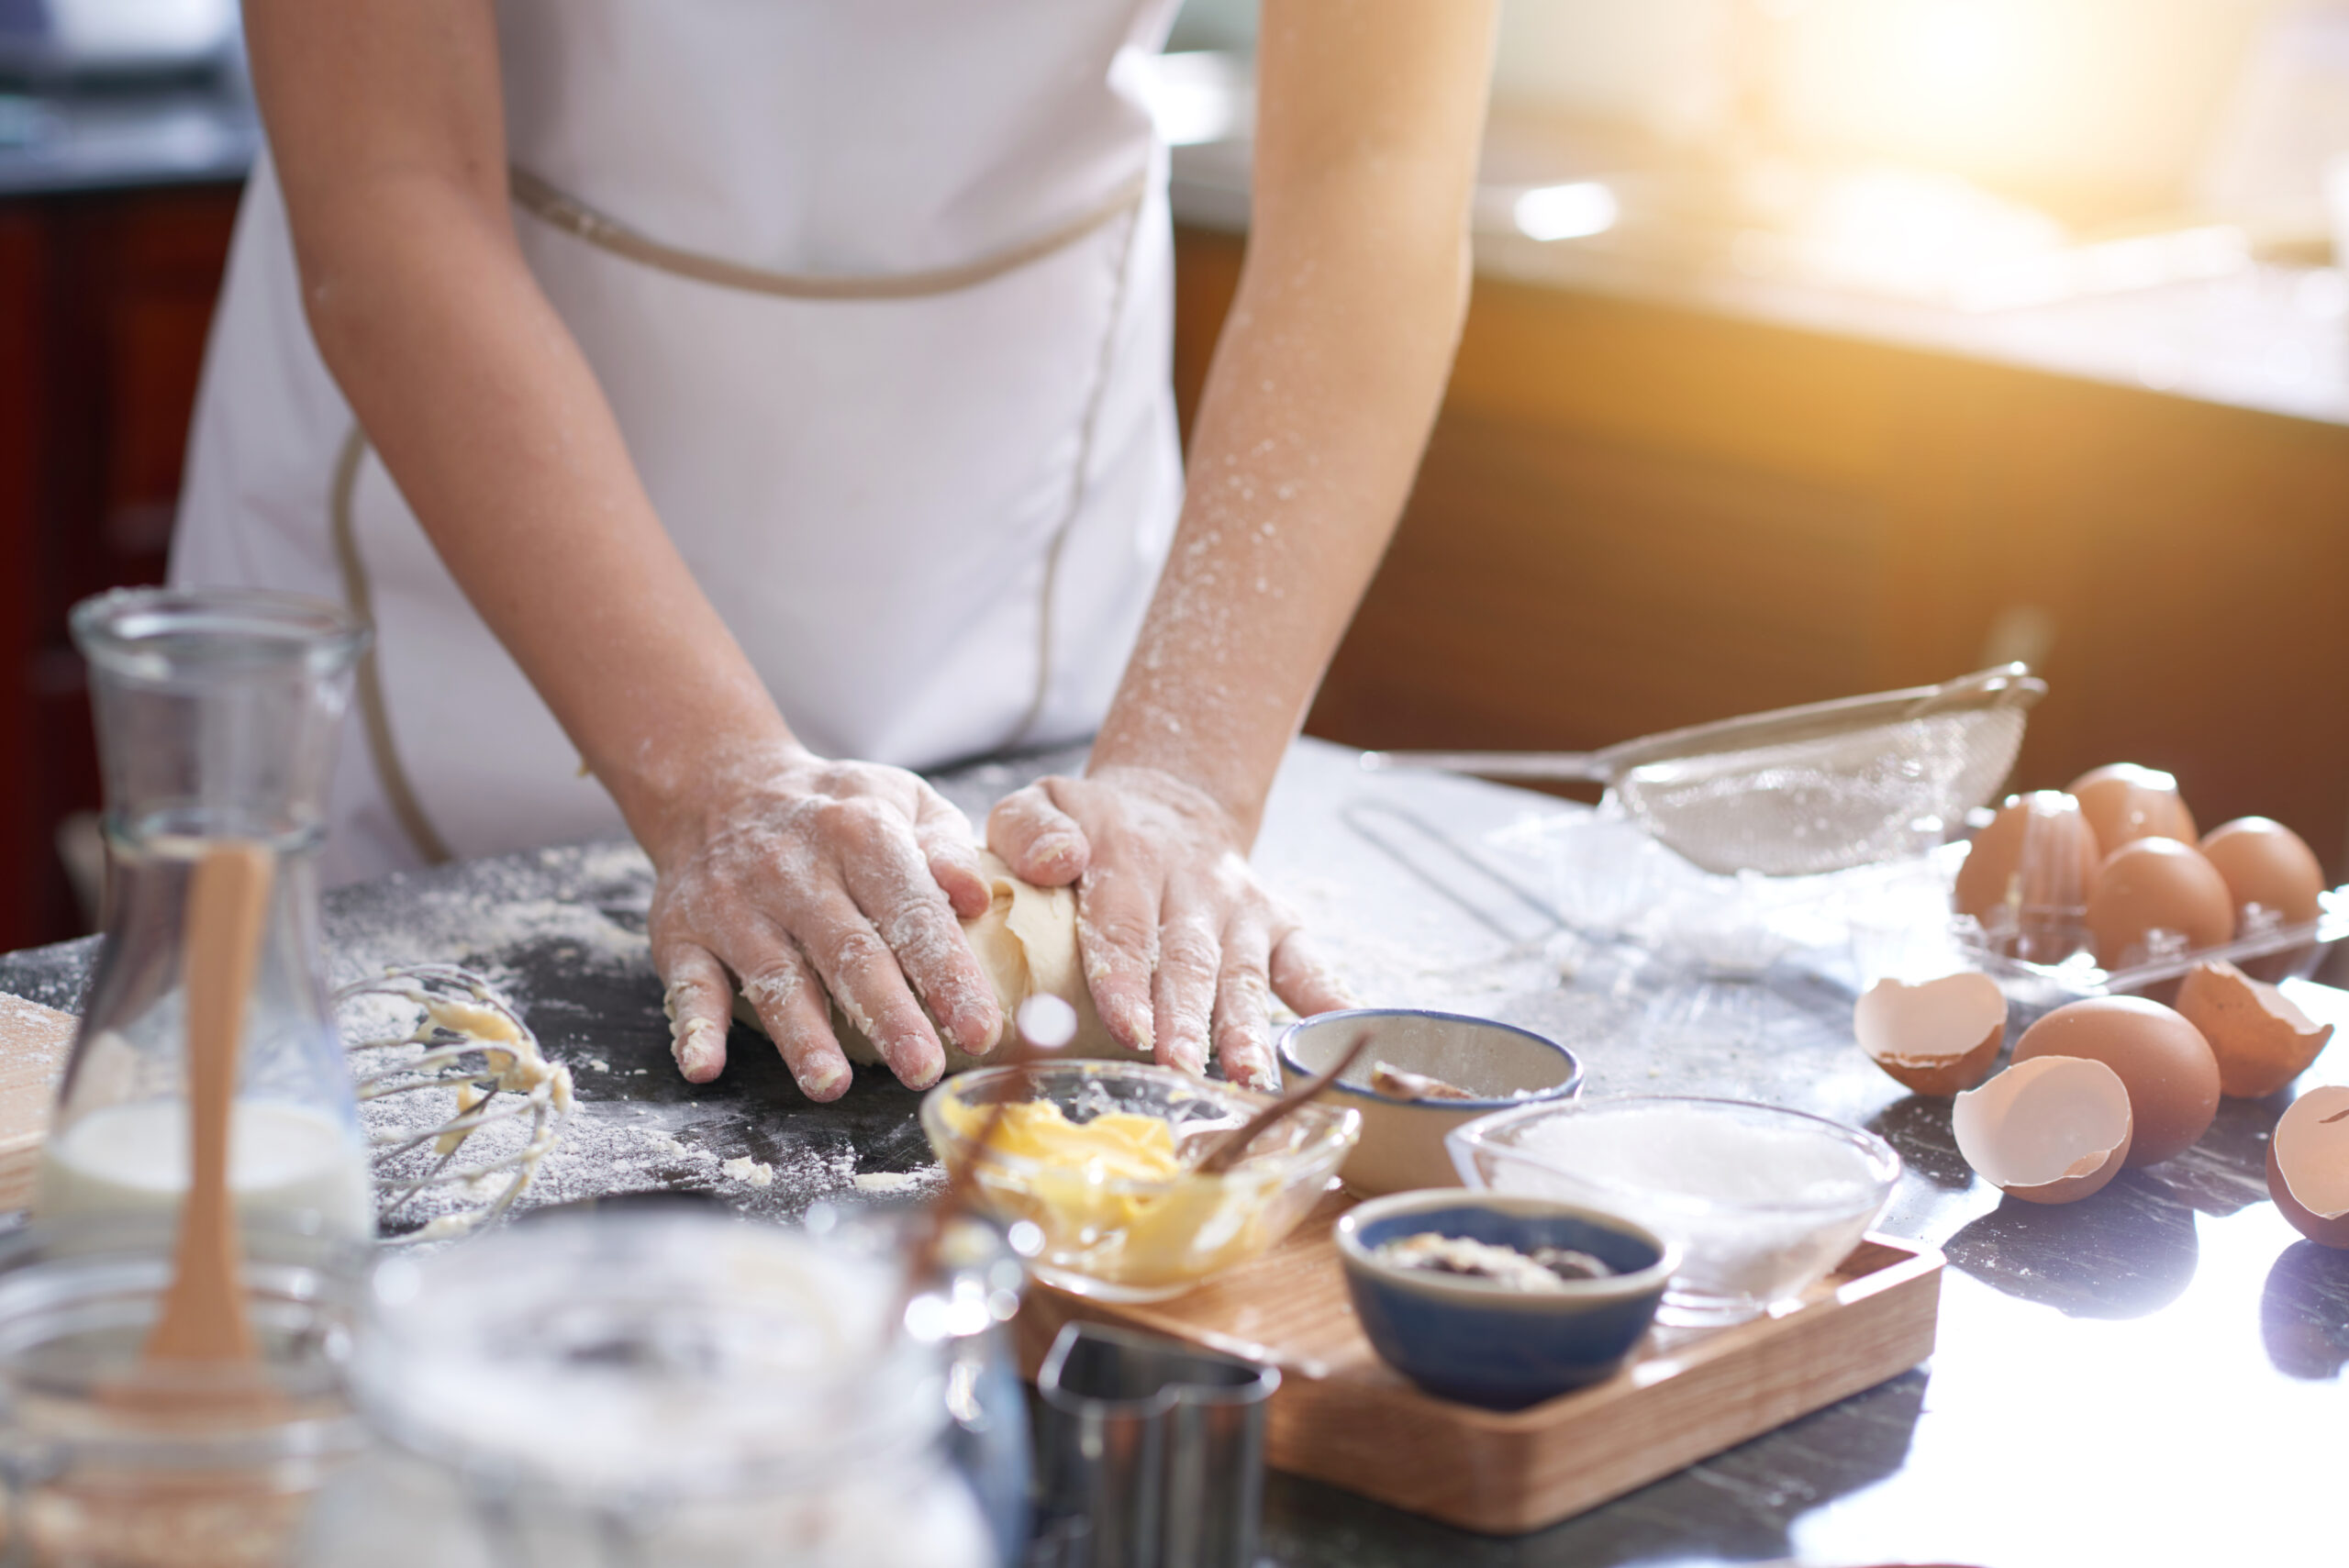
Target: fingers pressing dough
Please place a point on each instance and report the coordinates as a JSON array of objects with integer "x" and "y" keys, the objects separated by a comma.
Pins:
[{"x": 1026, "y": 944}]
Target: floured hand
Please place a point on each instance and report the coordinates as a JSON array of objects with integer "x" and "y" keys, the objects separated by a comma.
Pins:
[
  {"x": 1182, "y": 946},
  {"x": 801, "y": 876}
]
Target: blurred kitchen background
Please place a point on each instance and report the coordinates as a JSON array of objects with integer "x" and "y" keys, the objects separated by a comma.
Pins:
[{"x": 1817, "y": 347}]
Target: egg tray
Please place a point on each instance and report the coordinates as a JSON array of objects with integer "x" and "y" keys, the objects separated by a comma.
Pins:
[
  {"x": 1342, "y": 1416},
  {"x": 2298, "y": 950}
]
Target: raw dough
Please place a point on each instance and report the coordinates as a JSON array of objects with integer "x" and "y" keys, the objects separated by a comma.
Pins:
[{"x": 1026, "y": 943}]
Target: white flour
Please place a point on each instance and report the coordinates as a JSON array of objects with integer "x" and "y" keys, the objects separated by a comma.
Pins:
[{"x": 501, "y": 909}]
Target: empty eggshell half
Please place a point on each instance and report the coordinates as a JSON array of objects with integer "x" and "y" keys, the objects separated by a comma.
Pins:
[
  {"x": 2053, "y": 1130},
  {"x": 1938, "y": 1036},
  {"x": 2308, "y": 1166},
  {"x": 2262, "y": 1041}
]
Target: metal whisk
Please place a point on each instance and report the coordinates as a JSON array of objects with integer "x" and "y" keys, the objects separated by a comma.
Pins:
[{"x": 472, "y": 1043}]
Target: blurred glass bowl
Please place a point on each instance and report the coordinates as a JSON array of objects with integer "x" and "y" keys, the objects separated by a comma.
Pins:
[
  {"x": 1125, "y": 1238},
  {"x": 1761, "y": 1201}
]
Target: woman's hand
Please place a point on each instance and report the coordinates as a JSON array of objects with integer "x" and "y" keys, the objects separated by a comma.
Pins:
[
  {"x": 1324, "y": 383},
  {"x": 801, "y": 876},
  {"x": 1182, "y": 946}
]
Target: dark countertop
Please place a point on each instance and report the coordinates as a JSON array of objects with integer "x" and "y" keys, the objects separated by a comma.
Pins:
[
  {"x": 200, "y": 130},
  {"x": 2151, "y": 1376}
]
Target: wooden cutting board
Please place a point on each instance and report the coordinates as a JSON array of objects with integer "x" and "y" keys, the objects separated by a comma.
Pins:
[
  {"x": 34, "y": 1040},
  {"x": 1342, "y": 1416}
]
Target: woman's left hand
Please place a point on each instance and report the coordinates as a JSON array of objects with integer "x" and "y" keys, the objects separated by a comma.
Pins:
[{"x": 1182, "y": 946}]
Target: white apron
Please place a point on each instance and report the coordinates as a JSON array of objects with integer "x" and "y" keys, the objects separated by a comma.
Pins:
[{"x": 880, "y": 292}]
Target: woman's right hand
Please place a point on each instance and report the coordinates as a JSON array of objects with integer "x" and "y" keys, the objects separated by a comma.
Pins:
[{"x": 803, "y": 876}]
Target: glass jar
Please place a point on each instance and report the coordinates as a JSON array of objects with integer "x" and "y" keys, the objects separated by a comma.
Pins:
[
  {"x": 217, "y": 715},
  {"x": 174, "y": 1476},
  {"x": 671, "y": 1387}
]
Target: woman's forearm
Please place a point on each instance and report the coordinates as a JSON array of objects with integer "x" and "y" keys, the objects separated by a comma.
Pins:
[
  {"x": 481, "y": 403},
  {"x": 1324, "y": 385},
  {"x": 494, "y": 425}
]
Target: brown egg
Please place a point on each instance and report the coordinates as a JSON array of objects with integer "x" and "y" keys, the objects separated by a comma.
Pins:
[
  {"x": 2308, "y": 1166},
  {"x": 2166, "y": 1065},
  {"x": 2156, "y": 884},
  {"x": 2261, "y": 1039},
  {"x": 2125, "y": 803},
  {"x": 1936, "y": 1038},
  {"x": 2053, "y": 1130},
  {"x": 2264, "y": 862},
  {"x": 2025, "y": 877}
]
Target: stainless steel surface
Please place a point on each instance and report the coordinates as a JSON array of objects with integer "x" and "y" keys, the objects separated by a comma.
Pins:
[
  {"x": 63, "y": 38},
  {"x": 121, "y": 137},
  {"x": 1160, "y": 1447}
]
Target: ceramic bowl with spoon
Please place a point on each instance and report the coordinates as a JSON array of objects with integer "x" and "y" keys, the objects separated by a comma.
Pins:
[{"x": 1424, "y": 1073}]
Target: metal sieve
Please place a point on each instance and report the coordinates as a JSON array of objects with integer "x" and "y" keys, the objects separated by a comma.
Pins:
[{"x": 1798, "y": 790}]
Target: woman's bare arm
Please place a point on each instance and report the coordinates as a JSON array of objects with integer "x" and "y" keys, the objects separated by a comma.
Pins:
[
  {"x": 1324, "y": 386},
  {"x": 387, "y": 129},
  {"x": 386, "y": 125}
]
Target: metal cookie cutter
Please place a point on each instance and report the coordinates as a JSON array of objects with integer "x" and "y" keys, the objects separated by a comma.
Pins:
[{"x": 1157, "y": 1446}]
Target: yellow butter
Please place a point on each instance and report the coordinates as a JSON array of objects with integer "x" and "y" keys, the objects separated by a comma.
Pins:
[
  {"x": 1184, "y": 1227},
  {"x": 1114, "y": 1146}
]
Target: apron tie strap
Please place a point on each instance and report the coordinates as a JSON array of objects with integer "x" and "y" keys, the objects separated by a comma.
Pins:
[{"x": 560, "y": 210}]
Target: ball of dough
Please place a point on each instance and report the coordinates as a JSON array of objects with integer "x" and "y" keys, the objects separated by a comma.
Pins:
[{"x": 1026, "y": 945}]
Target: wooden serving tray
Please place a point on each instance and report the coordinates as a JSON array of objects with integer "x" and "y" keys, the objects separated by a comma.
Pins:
[
  {"x": 34, "y": 1040},
  {"x": 1343, "y": 1417}
]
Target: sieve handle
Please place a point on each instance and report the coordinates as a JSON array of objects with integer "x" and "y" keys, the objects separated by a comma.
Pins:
[{"x": 1587, "y": 767}]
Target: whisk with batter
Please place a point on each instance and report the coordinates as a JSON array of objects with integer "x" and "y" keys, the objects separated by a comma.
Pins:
[{"x": 508, "y": 1101}]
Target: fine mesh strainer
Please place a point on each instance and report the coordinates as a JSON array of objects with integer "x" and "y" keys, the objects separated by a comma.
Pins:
[{"x": 1800, "y": 790}]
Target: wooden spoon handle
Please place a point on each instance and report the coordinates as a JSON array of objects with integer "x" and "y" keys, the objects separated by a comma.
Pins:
[
  {"x": 1226, "y": 1151},
  {"x": 203, "y": 1314}
]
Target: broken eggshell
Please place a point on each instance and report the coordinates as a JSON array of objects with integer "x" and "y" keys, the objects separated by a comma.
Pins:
[
  {"x": 1936, "y": 1038},
  {"x": 2308, "y": 1166},
  {"x": 2164, "y": 1061},
  {"x": 2262, "y": 1041},
  {"x": 2053, "y": 1130}
]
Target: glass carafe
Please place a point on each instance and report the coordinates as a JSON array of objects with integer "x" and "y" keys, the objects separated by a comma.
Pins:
[{"x": 217, "y": 713}]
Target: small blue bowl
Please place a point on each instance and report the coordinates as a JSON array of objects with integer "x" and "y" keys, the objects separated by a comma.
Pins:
[{"x": 1478, "y": 1342}]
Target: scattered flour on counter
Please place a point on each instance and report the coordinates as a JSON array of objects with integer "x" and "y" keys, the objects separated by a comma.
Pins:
[
  {"x": 755, "y": 1173},
  {"x": 890, "y": 1181},
  {"x": 497, "y": 910},
  {"x": 1384, "y": 969},
  {"x": 612, "y": 1147},
  {"x": 599, "y": 1064}
]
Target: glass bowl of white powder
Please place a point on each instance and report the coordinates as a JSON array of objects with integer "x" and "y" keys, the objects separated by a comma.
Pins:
[{"x": 1763, "y": 1201}]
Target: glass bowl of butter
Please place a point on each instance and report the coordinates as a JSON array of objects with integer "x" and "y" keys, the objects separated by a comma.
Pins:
[{"x": 1101, "y": 1159}]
